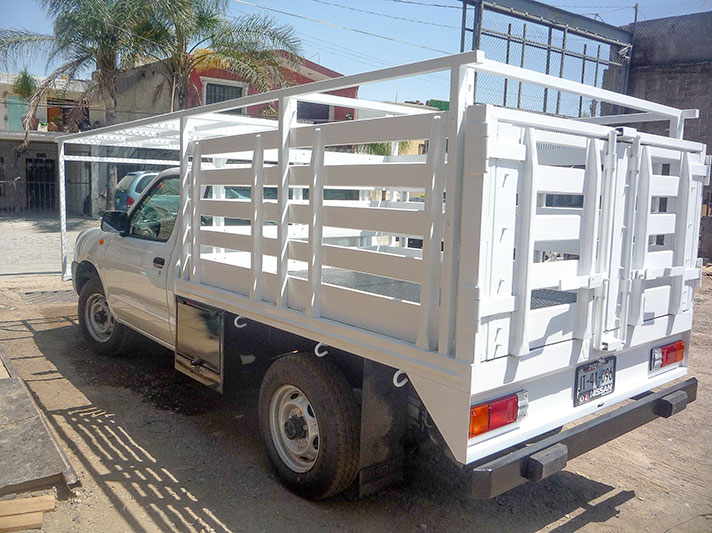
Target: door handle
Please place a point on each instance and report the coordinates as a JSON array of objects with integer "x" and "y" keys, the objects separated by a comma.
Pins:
[{"x": 159, "y": 262}]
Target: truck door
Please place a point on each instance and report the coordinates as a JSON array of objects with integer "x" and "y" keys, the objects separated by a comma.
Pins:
[{"x": 137, "y": 264}]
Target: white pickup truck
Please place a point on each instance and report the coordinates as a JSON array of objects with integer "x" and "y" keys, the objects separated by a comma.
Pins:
[{"x": 525, "y": 272}]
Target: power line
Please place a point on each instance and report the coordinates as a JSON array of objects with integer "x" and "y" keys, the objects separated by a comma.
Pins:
[
  {"x": 355, "y": 30},
  {"x": 387, "y": 15},
  {"x": 426, "y": 4}
]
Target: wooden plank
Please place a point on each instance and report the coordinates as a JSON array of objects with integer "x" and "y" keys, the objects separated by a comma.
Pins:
[
  {"x": 556, "y": 227},
  {"x": 395, "y": 175},
  {"x": 664, "y": 185},
  {"x": 21, "y": 522},
  {"x": 257, "y": 206},
  {"x": 659, "y": 259},
  {"x": 561, "y": 180},
  {"x": 509, "y": 151},
  {"x": 365, "y": 131},
  {"x": 316, "y": 228},
  {"x": 27, "y": 505}
]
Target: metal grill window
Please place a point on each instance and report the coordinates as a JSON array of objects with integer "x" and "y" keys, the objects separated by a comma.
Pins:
[{"x": 216, "y": 92}]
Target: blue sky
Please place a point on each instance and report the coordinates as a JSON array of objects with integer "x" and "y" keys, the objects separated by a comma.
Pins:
[{"x": 335, "y": 33}]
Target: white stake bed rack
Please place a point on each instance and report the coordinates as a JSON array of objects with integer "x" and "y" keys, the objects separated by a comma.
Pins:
[{"x": 512, "y": 287}]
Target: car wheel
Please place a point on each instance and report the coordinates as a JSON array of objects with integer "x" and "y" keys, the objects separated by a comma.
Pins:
[
  {"x": 309, "y": 420},
  {"x": 103, "y": 333}
]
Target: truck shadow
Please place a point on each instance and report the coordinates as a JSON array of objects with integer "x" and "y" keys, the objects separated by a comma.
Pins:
[{"x": 173, "y": 455}]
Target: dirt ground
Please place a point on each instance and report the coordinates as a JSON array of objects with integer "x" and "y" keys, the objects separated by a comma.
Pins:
[{"x": 158, "y": 452}]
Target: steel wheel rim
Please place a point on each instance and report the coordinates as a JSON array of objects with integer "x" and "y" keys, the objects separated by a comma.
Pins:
[
  {"x": 98, "y": 318},
  {"x": 294, "y": 428}
]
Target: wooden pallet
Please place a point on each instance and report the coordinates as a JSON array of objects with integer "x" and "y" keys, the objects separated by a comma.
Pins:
[{"x": 24, "y": 513}]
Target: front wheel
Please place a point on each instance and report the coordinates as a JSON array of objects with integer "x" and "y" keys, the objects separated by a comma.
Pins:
[
  {"x": 104, "y": 334},
  {"x": 309, "y": 419}
]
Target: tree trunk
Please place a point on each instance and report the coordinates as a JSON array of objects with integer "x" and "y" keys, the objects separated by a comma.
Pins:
[{"x": 112, "y": 172}]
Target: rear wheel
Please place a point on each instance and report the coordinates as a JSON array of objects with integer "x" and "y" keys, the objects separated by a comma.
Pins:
[
  {"x": 104, "y": 334},
  {"x": 309, "y": 419}
]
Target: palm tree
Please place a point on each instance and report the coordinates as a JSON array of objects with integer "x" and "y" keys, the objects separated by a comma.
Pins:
[{"x": 201, "y": 35}]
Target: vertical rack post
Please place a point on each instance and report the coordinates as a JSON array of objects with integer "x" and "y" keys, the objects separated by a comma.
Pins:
[
  {"x": 258, "y": 206},
  {"x": 316, "y": 224},
  {"x": 195, "y": 209},
  {"x": 432, "y": 239},
  {"x": 640, "y": 247},
  {"x": 185, "y": 211},
  {"x": 588, "y": 234},
  {"x": 287, "y": 117},
  {"x": 66, "y": 268},
  {"x": 519, "y": 343},
  {"x": 680, "y": 253},
  {"x": 462, "y": 83}
]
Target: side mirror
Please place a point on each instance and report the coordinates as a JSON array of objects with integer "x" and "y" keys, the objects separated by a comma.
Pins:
[{"x": 115, "y": 221}]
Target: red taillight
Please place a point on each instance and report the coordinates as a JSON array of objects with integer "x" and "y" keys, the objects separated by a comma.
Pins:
[
  {"x": 497, "y": 413},
  {"x": 667, "y": 355},
  {"x": 129, "y": 201}
]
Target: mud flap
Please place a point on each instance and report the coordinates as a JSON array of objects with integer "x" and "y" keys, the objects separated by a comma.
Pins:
[{"x": 384, "y": 420}]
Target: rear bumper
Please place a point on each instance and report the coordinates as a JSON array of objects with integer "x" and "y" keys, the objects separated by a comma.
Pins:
[{"x": 545, "y": 457}]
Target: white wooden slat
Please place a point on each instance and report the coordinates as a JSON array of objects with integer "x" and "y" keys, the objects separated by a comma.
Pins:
[
  {"x": 366, "y": 131},
  {"x": 659, "y": 259},
  {"x": 546, "y": 275},
  {"x": 683, "y": 226},
  {"x": 287, "y": 120},
  {"x": 226, "y": 208},
  {"x": 398, "y": 221},
  {"x": 656, "y": 302},
  {"x": 666, "y": 155},
  {"x": 507, "y": 150},
  {"x": 556, "y": 227},
  {"x": 551, "y": 324},
  {"x": 238, "y": 143},
  {"x": 225, "y": 276},
  {"x": 395, "y": 175},
  {"x": 664, "y": 185},
  {"x": 225, "y": 239},
  {"x": 389, "y": 316},
  {"x": 661, "y": 223},
  {"x": 376, "y": 263},
  {"x": 561, "y": 180},
  {"x": 227, "y": 176}
]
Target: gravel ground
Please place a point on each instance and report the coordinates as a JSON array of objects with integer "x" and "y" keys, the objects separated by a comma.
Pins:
[
  {"x": 157, "y": 452},
  {"x": 32, "y": 245}
]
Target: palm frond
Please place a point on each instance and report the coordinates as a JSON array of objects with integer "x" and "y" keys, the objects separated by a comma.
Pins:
[{"x": 16, "y": 45}]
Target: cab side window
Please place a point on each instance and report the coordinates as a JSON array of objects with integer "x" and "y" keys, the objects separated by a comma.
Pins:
[{"x": 155, "y": 218}]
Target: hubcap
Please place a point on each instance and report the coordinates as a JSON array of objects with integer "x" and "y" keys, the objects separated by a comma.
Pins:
[
  {"x": 294, "y": 428},
  {"x": 98, "y": 318}
]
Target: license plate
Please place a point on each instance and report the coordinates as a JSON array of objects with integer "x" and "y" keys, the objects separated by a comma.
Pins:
[{"x": 594, "y": 380}]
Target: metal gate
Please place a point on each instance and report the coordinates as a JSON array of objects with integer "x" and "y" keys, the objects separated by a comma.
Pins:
[
  {"x": 550, "y": 40},
  {"x": 41, "y": 186}
]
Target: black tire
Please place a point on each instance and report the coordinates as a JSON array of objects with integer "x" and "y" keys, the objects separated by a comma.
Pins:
[
  {"x": 113, "y": 343},
  {"x": 336, "y": 411}
]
